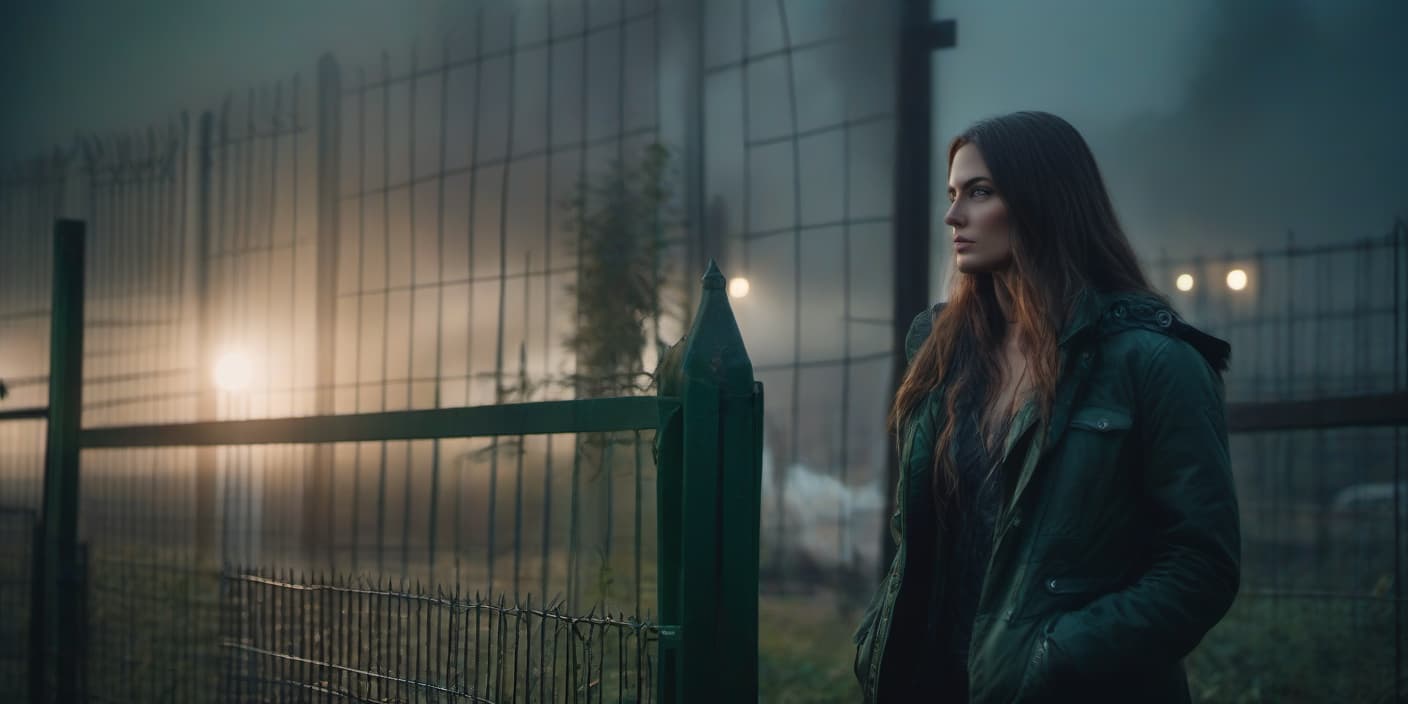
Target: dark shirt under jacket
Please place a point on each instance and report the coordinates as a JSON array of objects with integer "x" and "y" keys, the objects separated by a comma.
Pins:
[{"x": 941, "y": 664}]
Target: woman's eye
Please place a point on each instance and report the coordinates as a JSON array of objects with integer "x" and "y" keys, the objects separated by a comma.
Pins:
[{"x": 976, "y": 192}]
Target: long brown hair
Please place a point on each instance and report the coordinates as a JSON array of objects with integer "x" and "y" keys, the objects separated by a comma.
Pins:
[{"x": 1065, "y": 238}]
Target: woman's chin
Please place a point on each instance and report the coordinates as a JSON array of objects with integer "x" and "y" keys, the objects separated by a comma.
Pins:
[{"x": 968, "y": 264}]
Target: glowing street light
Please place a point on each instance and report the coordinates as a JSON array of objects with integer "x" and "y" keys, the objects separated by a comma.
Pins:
[
  {"x": 1184, "y": 282},
  {"x": 738, "y": 287},
  {"x": 234, "y": 371},
  {"x": 1236, "y": 279}
]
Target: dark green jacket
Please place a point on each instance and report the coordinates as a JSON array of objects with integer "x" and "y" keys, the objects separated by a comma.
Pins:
[{"x": 1118, "y": 545}]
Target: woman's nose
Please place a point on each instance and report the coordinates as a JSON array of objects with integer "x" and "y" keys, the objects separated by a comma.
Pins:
[{"x": 951, "y": 217}]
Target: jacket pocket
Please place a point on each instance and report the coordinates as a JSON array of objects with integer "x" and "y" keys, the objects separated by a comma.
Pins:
[
  {"x": 1089, "y": 469},
  {"x": 1092, "y": 586},
  {"x": 1036, "y": 672},
  {"x": 1062, "y": 594},
  {"x": 1102, "y": 420},
  {"x": 864, "y": 637}
]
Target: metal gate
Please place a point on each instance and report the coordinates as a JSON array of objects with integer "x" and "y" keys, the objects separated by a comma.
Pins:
[{"x": 279, "y": 634}]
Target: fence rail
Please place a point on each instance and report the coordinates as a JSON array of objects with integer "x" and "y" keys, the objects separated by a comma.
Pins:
[{"x": 546, "y": 417}]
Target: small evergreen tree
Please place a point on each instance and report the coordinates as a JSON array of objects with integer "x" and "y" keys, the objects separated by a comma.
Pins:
[{"x": 618, "y": 224}]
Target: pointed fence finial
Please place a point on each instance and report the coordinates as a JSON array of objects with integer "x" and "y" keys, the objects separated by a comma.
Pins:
[
  {"x": 715, "y": 347},
  {"x": 713, "y": 278}
]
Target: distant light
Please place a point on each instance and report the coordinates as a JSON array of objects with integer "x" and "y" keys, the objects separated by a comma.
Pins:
[
  {"x": 1236, "y": 279},
  {"x": 1185, "y": 282},
  {"x": 234, "y": 371},
  {"x": 738, "y": 287}
]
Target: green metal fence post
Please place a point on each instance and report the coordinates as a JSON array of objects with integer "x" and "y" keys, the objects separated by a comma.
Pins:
[
  {"x": 669, "y": 469},
  {"x": 62, "y": 579},
  {"x": 317, "y": 511},
  {"x": 720, "y": 501},
  {"x": 205, "y": 341}
]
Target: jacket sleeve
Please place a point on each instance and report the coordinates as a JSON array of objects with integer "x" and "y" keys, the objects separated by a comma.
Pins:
[
  {"x": 1194, "y": 571},
  {"x": 919, "y": 330}
]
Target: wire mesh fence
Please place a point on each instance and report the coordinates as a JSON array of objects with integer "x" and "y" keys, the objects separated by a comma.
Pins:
[
  {"x": 392, "y": 236},
  {"x": 567, "y": 519},
  {"x": 799, "y": 117},
  {"x": 18, "y": 537},
  {"x": 1305, "y": 321},
  {"x": 1322, "y": 509},
  {"x": 373, "y": 641}
]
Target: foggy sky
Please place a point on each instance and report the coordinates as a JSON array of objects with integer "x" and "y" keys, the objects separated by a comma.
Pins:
[
  {"x": 95, "y": 66},
  {"x": 1218, "y": 125}
]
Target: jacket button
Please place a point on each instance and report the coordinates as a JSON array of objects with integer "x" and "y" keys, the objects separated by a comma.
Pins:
[
  {"x": 1163, "y": 318},
  {"x": 1051, "y": 584},
  {"x": 1119, "y": 311},
  {"x": 1103, "y": 424}
]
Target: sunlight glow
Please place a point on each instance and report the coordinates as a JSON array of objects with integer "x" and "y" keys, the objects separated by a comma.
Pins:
[
  {"x": 738, "y": 287},
  {"x": 234, "y": 371}
]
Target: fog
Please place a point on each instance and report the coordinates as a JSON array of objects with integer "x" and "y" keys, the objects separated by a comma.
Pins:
[
  {"x": 427, "y": 160},
  {"x": 1219, "y": 126}
]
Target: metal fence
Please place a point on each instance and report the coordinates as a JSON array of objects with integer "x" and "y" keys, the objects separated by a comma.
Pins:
[
  {"x": 18, "y": 536},
  {"x": 300, "y": 638},
  {"x": 390, "y": 237},
  {"x": 521, "y": 533},
  {"x": 798, "y": 109},
  {"x": 1319, "y": 324},
  {"x": 1316, "y": 395},
  {"x": 151, "y": 634}
]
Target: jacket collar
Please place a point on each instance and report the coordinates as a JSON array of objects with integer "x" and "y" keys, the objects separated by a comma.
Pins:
[{"x": 1085, "y": 311}]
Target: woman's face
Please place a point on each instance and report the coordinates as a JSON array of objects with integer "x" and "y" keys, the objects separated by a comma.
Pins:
[{"x": 982, "y": 234}]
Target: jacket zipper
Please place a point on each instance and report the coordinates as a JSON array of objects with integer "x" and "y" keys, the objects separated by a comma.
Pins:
[{"x": 999, "y": 532}]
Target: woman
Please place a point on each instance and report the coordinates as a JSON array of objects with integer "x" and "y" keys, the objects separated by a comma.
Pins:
[{"x": 1066, "y": 525}]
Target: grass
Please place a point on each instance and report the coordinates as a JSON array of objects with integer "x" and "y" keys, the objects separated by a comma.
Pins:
[
  {"x": 804, "y": 650},
  {"x": 1298, "y": 649},
  {"x": 153, "y": 637},
  {"x": 1284, "y": 650}
]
